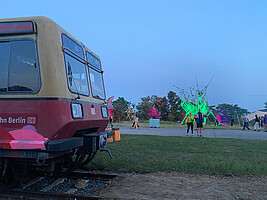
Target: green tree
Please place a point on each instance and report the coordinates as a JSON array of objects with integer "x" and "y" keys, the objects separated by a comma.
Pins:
[
  {"x": 154, "y": 99},
  {"x": 176, "y": 111},
  {"x": 229, "y": 112},
  {"x": 143, "y": 107},
  {"x": 120, "y": 106},
  {"x": 148, "y": 102},
  {"x": 164, "y": 108}
]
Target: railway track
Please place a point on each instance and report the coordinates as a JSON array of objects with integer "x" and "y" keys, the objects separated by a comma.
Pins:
[
  {"x": 37, "y": 195},
  {"x": 71, "y": 186},
  {"x": 85, "y": 175}
]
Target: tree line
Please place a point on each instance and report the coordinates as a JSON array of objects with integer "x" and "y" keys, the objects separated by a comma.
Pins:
[{"x": 168, "y": 108}]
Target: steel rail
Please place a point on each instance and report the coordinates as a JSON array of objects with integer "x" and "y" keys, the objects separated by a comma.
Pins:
[{"x": 22, "y": 194}]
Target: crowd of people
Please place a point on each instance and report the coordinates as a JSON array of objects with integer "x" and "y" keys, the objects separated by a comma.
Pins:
[
  {"x": 260, "y": 121},
  {"x": 198, "y": 119}
]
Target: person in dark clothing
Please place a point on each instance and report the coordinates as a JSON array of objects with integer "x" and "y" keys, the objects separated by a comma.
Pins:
[
  {"x": 216, "y": 122},
  {"x": 265, "y": 122},
  {"x": 232, "y": 121},
  {"x": 256, "y": 125},
  {"x": 260, "y": 121},
  {"x": 245, "y": 119},
  {"x": 110, "y": 121},
  {"x": 135, "y": 122},
  {"x": 199, "y": 119}
]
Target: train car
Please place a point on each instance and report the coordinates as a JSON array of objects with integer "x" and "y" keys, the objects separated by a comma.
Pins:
[{"x": 53, "y": 111}]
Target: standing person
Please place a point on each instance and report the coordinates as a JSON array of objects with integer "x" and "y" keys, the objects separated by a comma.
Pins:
[
  {"x": 190, "y": 120},
  {"x": 265, "y": 122},
  {"x": 199, "y": 120},
  {"x": 256, "y": 125},
  {"x": 232, "y": 121},
  {"x": 259, "y": 121},
  {"x": 135, "y": 122},
  {"x": 245, "y": 119},
  {"x": 216, "y": 122},
  {"x": 110, "y": 122}
]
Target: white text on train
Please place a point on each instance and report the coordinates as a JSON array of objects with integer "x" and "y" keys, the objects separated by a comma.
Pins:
[{"x": 10, "y": 120}]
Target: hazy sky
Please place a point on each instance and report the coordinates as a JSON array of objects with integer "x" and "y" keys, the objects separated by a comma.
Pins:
[{"x": 147, "y": 46}]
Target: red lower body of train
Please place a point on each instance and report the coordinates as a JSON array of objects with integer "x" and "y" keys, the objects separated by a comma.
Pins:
[{"x": 46, "y": 135}]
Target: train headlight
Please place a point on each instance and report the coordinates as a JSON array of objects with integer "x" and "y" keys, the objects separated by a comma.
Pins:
[
  {"x": 77, "y": 110},
  {"x": 104, "y": 112}
]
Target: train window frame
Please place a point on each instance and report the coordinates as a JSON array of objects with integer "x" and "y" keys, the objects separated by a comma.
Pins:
[
  {"x": 6, "y": 68},
  {"x": 68, "y": 47},
  {"x": 68, "y": 52},
  {"x": 37, "y": 65},
  {"x": 99, "y": 70},
  {"x": 93, "y": 64}
]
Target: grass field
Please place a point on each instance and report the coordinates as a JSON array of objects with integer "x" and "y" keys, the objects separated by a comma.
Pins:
[
  {"x": 167, "y": 124},
  {"x": 139, "y": 153}
]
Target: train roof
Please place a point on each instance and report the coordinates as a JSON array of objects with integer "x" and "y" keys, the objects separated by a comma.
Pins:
[{"x": 48, "y": 21}]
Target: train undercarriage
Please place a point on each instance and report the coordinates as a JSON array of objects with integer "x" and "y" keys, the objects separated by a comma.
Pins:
[{"x": 60, "y": 157}]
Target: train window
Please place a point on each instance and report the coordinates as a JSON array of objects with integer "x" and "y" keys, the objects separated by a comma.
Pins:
[
  {"x": 73, "y": 46},
  {"x": 77, "y": 78},
  {"x": 93, "y": 60},
  {"x": 97, "y": 85},
  {"x": 75, "y": 67},
  {"x": 19, "y": 71},
  {"x": 23, "y": 70},
  {"x": 4, "y": 61},
  {"x": 96, "y": 77}
]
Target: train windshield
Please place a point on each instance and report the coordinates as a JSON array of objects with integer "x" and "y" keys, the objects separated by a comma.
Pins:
[
  {"x": 96, "y": 76},
  {"x": 18, "y": 66}
]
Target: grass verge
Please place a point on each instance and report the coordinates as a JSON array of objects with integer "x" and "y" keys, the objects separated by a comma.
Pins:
[{"x": 139, "y": 153}]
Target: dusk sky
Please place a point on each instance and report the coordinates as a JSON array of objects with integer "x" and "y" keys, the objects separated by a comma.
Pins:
[{"x": 147, "y": 46}]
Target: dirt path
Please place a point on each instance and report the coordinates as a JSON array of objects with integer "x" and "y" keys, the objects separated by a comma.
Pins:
[{"x": 185, "y": 186}]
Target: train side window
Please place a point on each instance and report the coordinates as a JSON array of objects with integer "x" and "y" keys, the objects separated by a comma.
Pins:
[
  {"x": 4, "y": 62},
  {"x": 96, "y": 76},
  {"x": 77, "y": 78},
  {"x": 72, "y": 45},
  {"x": 93, "y": 60},
  {"x": 97, "y": 84},
  {"x": 23, "y": 70},
  {"x": 75, "y": 67}
]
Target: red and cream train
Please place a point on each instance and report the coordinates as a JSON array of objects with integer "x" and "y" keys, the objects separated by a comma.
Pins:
[{"x": 53, "y": 111}]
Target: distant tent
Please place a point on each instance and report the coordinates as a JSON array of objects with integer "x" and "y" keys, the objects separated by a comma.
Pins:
[{"x": 258, "y": 113}]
